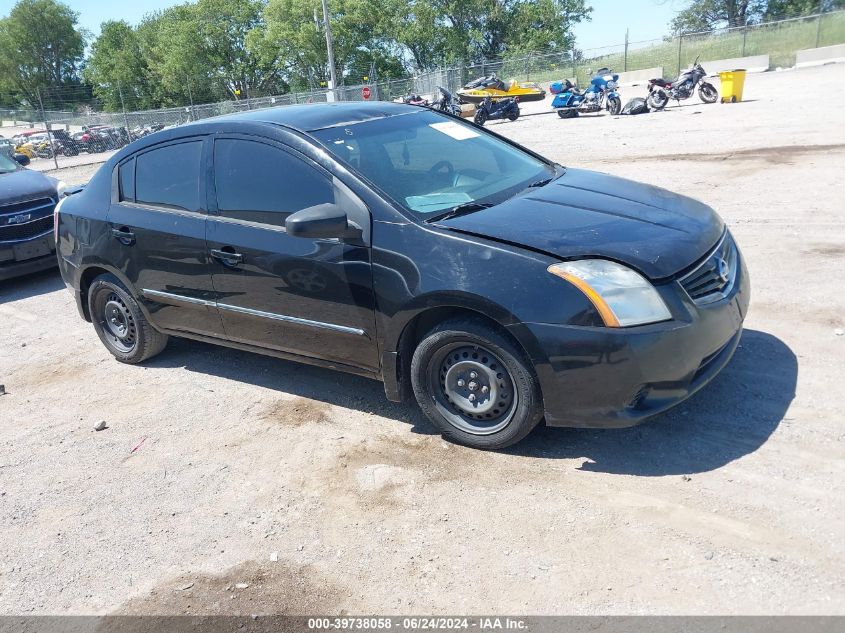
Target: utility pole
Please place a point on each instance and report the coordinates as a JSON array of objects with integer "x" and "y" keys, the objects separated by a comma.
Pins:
[
  {"x": 47, "y": 125},
  {"x": 625, "y": 65},
  {"x": 190, "y": 97},
  {"x": 819, "y": 23},
  {"x": 680, "y": 43},
  {"x": 329, "y": 49},
  {"x": 123, "y": 107}
]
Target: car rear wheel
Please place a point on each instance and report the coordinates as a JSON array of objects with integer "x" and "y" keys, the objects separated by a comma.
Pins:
[
  {"x": 119, "y": 322},
  {"x": 475, "y": 385}
]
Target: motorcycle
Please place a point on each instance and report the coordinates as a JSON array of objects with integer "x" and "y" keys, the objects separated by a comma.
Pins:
[
  {"x": 64, "y": 143},
  {"x": 660, "y": 91},
  {"x": 501, "y": 109},
  {"x": 446, "y": 102},
  {"x": 416, "y": 100},
  {"x": 601, "y": 93}
]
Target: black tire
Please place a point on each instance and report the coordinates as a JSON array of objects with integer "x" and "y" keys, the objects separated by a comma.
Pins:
[
  {"x": 657, "y": 99},
  {"x": 567, "y": 113},
  {"x": 513, "y": 116},
  {"x": 499, "y": 405},
  {"x": 707, "y": 92},
  {"x": 129, "y": 336},
  {"x": 480, "y": 117},
  {"x": 614, "y": 106}
]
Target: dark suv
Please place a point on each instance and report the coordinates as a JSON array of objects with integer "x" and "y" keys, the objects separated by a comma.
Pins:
[
  {"x": 27, "y": 200},
  {"x": 412, "y": 247}
]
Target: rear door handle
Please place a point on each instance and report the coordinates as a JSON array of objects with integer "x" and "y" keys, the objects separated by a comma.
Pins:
[
  {"x": 123, "y": 235},
  {"x": 227, "y": 256}
]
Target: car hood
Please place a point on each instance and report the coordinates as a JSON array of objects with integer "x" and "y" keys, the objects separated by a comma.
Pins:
[
  {"x": 17, "y": 186},
  {"x": 589, "y": 214}
]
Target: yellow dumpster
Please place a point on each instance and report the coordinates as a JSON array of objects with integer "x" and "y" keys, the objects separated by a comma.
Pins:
[{"x": 733, "y": 82}]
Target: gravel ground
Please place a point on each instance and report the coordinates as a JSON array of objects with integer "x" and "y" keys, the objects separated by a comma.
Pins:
[{"x": 228, "y": 482}]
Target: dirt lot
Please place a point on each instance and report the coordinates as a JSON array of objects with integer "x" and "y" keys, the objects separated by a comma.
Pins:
[{"x": 221, "y": 469}]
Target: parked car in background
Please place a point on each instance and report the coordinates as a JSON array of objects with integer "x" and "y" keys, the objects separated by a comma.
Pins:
[
  {"x": 409, "y": 246},
  {"x": 27, "y": 201}
]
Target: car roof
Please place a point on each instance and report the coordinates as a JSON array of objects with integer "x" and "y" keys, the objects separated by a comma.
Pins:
[{"x": 316, "y": 116}]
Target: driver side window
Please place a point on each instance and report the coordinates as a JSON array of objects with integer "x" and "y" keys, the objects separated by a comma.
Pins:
[{"x": 261, "y": 183}]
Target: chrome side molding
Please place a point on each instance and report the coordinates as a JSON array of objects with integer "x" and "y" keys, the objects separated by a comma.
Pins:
[{"x": 175, "y": 298}]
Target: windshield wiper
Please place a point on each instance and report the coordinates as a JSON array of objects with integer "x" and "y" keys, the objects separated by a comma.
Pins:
[
  {"x": 540, "y": 183},
  {"x": 461, "y": 209}
]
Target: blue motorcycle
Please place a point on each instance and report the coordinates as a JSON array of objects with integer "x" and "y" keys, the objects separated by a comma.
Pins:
[{"x": 601, "y": 93}]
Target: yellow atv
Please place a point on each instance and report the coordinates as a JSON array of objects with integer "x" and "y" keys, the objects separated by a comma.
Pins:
[
  {"x": 478, "y": 90},
  {"x": 26, "y": 148}
]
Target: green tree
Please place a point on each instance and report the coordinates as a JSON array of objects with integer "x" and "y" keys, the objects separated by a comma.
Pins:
[
  {"x": 483, "y": 29},
  {"x": 418, "y": 27},
  {"x": 295, "y": 38},
  {"x": 117, "y": 68},
  {"x": 706, "y": 15},
  {"x": 782, "y": 9},
  {"x": 225, "y": 29},
  {"x": 41, "y": 50}
]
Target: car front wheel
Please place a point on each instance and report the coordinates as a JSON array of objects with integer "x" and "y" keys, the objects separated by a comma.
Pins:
[
  {"x": 119, "y": 322},
  {"x": 475, "y": 385}
]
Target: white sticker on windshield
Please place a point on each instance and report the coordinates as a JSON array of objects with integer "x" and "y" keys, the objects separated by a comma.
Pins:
[{"x": 455, "y": 130}]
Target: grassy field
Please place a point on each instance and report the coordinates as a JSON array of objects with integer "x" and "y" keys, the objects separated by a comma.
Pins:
[{"x": 779, "y": 40}]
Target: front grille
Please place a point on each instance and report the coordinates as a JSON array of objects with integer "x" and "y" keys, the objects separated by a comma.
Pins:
[
  {"x": 18, "y": 232},
  {"x": 714, "y": 278},
  {"x": 40, "y": 222}
]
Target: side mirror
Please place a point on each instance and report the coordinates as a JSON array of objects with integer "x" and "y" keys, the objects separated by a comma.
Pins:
[
  {"x": 22, "y": 159},
  {"x": 322, "y": 220}
]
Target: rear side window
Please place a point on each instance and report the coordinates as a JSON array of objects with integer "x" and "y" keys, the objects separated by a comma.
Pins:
[
  {"x": 262, "y": 183},
  {"x": 170, "y": 176},
  {"x": 127, "y": 181}
]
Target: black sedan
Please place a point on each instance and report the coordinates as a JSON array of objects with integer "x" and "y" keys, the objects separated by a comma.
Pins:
[{"x": 495, "y": 286}]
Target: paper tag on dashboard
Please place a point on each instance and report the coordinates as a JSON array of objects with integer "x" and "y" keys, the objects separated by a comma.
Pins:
[{"x": 455, "y": 130}]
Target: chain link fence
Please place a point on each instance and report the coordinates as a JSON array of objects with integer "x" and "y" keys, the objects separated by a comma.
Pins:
[{"x": 89, "y": 135}]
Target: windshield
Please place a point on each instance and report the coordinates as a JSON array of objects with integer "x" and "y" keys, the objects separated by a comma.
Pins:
[
  {"x": 7, "y": 163},
  {"x": 429, "y": 163}
]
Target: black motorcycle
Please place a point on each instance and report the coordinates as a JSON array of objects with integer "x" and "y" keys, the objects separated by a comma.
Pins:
[
  {"x": 446, "y": 102},
  {"x": 660, "y": 91},
  {"x": 65, "y": 143},
  {"x": 499, "y": 109}
]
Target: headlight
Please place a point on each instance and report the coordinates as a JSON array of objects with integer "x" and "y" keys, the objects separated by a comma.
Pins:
[
  {"x": 611, "y": 85},
  {"x": 622, "y": 296}
]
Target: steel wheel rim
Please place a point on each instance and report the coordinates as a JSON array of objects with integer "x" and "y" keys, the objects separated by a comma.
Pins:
[
  {"x": 118, "y": 323},
  {"x": 472, "y": 388}
]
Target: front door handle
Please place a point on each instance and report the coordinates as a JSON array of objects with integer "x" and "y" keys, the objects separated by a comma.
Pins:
[
  {"x": 124, "y": 235},
  {"x": 227, "y": 256}
]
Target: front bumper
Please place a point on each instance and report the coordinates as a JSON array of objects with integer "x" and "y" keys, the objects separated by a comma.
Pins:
[
  {"x": 618, "y": 377},
  {"x": 18, "y": 260}
]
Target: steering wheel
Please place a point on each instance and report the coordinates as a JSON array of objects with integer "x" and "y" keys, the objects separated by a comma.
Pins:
[{"x": 437, "y": 170}]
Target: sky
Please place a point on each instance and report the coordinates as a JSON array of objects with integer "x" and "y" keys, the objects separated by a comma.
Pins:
[{"x": 646, "y": 19}]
